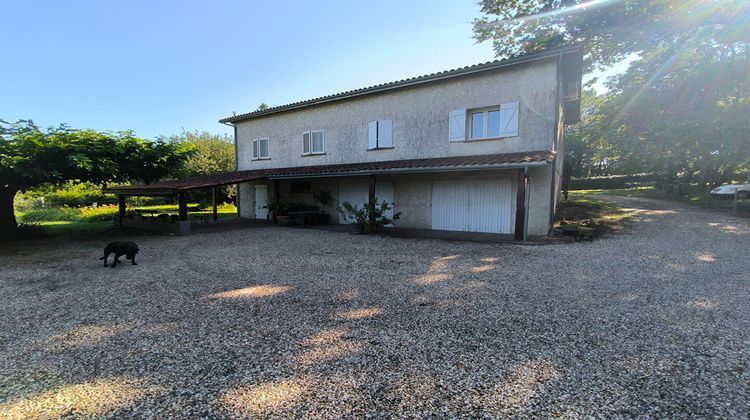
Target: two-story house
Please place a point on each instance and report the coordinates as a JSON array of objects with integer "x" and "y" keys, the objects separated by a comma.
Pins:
[{"x": 476, "y": 149}]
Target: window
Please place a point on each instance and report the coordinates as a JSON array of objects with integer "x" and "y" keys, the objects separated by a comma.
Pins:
[
  {"x": 380, "y": 135},
  {"x": 483, "y": 123},
  {"x": 260, "y": 149},
  {"x": 313, "y": 142}
]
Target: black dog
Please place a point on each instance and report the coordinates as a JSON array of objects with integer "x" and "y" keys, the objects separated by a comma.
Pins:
[{"x": 128, "y": 249}]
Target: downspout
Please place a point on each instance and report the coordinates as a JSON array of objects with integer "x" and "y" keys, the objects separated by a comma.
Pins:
[{"x": 554, "y": 142}]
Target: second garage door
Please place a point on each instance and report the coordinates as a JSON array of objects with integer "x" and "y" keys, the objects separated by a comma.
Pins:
[{"x": 477, "y": 205}]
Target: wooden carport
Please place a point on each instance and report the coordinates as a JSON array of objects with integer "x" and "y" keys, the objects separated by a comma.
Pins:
[{"x": 179, "y": 188}]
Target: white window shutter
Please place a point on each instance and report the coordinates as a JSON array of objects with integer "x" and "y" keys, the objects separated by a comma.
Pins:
[
  {"x": 457, "y": 125},
  {"x": 306, "y": 142},
  {"x": 385, "y": 133},
  {"x": 372, "y": 135},
  {"x": 255, "y": 149},
  {"x": 509, "y": 119}
]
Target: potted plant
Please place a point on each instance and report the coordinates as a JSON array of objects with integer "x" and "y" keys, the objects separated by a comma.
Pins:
[
  {"x": 370, "y": 218},
  {"x": 323, "y": 197},
  {"x": 280, "y": 210}
]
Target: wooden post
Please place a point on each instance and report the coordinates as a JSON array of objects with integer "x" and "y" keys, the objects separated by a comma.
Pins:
[
  {"x": 121, "y": 207},
  {"x": 276, "y": 191},
  {"x": 182, "y": 204},
  {"x": 371, "y": 199},
  {"x": 734, "y": 205},
  {"x": 213, "y": 200},
  {"x": 520, "y": 206}
]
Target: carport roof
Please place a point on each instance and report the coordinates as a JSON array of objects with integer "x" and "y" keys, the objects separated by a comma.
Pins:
[{"x": 452, "y": 163}]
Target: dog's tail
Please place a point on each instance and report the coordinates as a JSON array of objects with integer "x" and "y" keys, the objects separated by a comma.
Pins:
[{"x": 101, "y": 258}]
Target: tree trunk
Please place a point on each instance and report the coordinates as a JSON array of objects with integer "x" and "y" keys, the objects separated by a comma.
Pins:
[{"x": 8, "y": 223}]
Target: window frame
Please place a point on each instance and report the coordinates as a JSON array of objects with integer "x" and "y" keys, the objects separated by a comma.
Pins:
[
  {"x": 485, "y": 122},
  {"x": 310, "y": 151},
  {"x": 378, "y": 137},
  {"x": 256, "y": 150}
]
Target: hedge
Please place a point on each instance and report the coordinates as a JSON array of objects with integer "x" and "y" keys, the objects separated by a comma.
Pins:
[{"x": 611, "y": 182}]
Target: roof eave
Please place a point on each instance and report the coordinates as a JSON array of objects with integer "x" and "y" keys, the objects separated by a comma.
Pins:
[
  {"x": 455, "y": 168},
  {"x": 449, "y": 74}
]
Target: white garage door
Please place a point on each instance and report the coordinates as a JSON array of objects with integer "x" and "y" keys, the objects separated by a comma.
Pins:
[
  {"x": 357, "y": 194},
  {"x": 478, "y": 205}
]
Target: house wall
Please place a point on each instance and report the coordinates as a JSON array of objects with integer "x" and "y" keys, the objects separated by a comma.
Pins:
[
  {"x": 420, "y": 120},
  {"x": 412, "y": 195}
]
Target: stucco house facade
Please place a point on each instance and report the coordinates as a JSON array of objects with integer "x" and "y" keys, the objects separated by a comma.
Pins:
[{"x": 476, "y": 149}]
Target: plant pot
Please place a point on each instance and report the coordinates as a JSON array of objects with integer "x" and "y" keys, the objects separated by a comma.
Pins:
[
  {"x": 323, "y": 218},
  {"x": 284, "y": 220}
]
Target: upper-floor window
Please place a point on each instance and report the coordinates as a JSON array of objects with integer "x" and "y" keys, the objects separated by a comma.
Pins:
[
  {"x": 484, "y": 123},
  {"x": 260, "y": 149},
  {"x": 313, "y": 142},
  {"x": 380, "y": 135}
]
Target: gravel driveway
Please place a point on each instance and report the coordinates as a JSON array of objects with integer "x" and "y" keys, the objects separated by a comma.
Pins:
[{"x": 288, "y": 322}]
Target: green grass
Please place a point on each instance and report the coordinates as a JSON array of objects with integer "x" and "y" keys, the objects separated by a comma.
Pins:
[
  {"x": 54, "y": 221},
  {"x": 592, "y": 217},
  {"x": 194, "y": 210},
  {"x": 631, "y": 192}
]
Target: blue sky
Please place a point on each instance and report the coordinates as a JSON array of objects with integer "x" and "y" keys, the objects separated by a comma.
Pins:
[{"x": 159, "y": 67}]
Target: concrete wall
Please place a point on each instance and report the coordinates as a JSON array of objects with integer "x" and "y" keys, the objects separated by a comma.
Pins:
[
  {"x": 420, "y": 120},
  {"x": 412, "y": 195}
]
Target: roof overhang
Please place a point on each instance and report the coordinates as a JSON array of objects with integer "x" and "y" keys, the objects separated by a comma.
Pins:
[
  {"x": 414, "y": 81},
  {"x": 459, "y": 168},
  {"x": 498, "y": 161}
]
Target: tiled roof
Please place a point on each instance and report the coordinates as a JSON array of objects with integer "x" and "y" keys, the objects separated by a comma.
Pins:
[
  {"x": 408, "y": 165},
  {"x": 491, "y": 65}
]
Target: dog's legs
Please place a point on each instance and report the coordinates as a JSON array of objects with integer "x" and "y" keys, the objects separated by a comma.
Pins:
[
  {"x": 106, "y": 255},
  {"x": 117, "y": 260},
  {"x": 133, "y": 260}
]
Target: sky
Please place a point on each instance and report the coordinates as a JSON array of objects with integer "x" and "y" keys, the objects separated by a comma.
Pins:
[{"x": 160, "y": 67}]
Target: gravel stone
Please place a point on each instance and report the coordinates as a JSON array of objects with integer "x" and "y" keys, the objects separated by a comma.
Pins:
[{"x": 285, "y": 322}]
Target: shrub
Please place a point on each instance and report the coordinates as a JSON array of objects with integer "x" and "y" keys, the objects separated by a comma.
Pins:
[
  {"x": 78, "y": 195},
  {"x": 98, "y": 214},
  {"x": 370, "y": 218},
  {"x": 612, "y": 182},
  {"x": 51, "y": 214},
  {"x": 226, "y": 208}
]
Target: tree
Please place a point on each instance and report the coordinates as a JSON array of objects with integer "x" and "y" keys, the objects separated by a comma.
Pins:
[
  {"x": 611, "y": 30},
  {"x": 30, "y": 156},
  {"x": 677, "y": 111},
  {"x": 262, "y": 107},
  {"x": 214, "y": 153}
]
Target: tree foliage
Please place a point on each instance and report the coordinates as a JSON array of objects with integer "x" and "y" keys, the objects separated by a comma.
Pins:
[
  {"x": 610, "y": 29},
  {"x": 214, "y": 153},
  {"x": 680, "y": 110},
  {"x": 30, "y": 156}
]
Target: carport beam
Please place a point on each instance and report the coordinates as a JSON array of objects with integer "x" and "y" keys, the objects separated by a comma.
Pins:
[
  {"x": 121, "y": 208},
  {"x": 182, "y": 204},
  {"x": 213, "y": 200},
  {"x": 519, "y": 231}
]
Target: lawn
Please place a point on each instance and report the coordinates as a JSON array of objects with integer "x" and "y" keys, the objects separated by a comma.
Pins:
[
  {"x": 53, "y": 221},
  {"x": 590, "y": 216}
]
